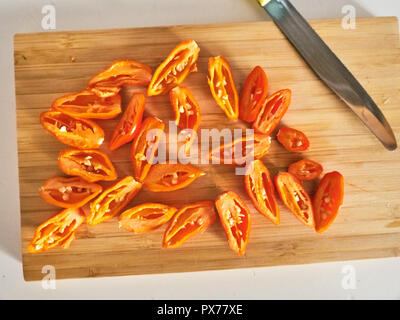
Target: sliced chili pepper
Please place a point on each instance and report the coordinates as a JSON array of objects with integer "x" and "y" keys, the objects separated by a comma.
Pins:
[
  {"x": 69, "y": 192},
  {"x": 222, "y": 85},
  {"x": 78, "y": 133},
  {"x": 256, "y": 145},
  {"x": 145, "y": 217},
  {"x": 175, "y": 68},
  {"x": 305, "y": 169},
  {"x": 91, "y": 165},
  {"x": 187, "y": 112},
  {"x": 261, "y": 191},
  {"x": 58, "y": 230},
  {"x": 293, "y": 140},
  {"x": 235, "y": 218},
  {"x": 295, "y": 197},
  {"x": 113, "y": 200},
  {"x": 89, "y": 105},
  {"x": 122, "y": 72},
  {"x": 145, "y": 146},
  {"x": 253, "y": 95},
  {"x": 171, "y": 176},
  {"x": 189, "y": 220},
  {"x": 128, "y": 126},
  {"x": 272, "y": 111},
  {"x": 327, "y": 200}
]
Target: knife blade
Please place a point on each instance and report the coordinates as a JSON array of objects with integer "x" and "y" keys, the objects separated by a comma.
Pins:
[{"x": 329, "y": 68}]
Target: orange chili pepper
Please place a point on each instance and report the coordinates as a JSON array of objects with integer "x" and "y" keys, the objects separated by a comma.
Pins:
[
  {"x": 58, "y": 230},
  {"x": 91, "y": 165},
  {"x": 295, "y": 197},
  {"x": 89, "y": 105},
  {"x": 305, "y": 169},
  {"x": 222, "y": 85},
  {"x": 128, "y": 126},
  {"x": 78, "y": 133},
  {"x": 113, "y": 200},
  {"x": 121, "y": 72},
  {"x": 69, "y": 192},
  {"x": 168, "y": 176},
  {"x": 235, "y": 218},
  {"x": 175, "y": 68},
  {"x": 327, "y": 200},
  {"x": 261, "y": 191},
  {"x": 253, "y": 95},
  {"x": 145, "y": 217},
  {"x": 272, "y": 111},
  {"x": 293, "y": 140},
  {"x": 187, "y": 112},
  {"x": 145, "y": 146}
]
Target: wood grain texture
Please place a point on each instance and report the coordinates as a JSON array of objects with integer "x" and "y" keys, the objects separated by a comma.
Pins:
[{"x": 48, "y": 65}]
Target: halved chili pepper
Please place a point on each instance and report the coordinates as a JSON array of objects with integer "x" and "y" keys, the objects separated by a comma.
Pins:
[
  {"x": 58, "y": 230},
  {"x": 189, "y": 220},
  {"x": 187, "y": 112},
  {"x": 69, "y": 192},
  {"x": 235, "y": 218},
  {"x": 293, "y": 140},
  {"x": 128, "y": 126},
  {"x": 261, "y": 191},
  {"x": 169, "y": 176},
  {"x": 272, "y": 111},
  {"x": 145, "y": 217},
  {"x": 327, "y": 200},
  {"x": 113, "y": 200},
  {"x": 89, "y": 105},
  {"x": 239, "y": 150},
  {"x": 222, "y": 85},
  {"x": 145, "y": 146},
  {"x": 295, "y": 197},
  {"x": 253, "y": 95},
  {"x": 91, "y": 165},
  {"x": 78, "y": 133},
  {"x": 175, "y": 68},
  {"x": 122, "y": 72},
  {"x": 305, "y": 169}
]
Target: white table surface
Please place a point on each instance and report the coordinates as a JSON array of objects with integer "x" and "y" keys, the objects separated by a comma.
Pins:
[{"x": 375, "y": 279}]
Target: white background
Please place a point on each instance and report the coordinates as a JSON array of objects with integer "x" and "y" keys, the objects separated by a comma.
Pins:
[{"x": 375, "y": 279}]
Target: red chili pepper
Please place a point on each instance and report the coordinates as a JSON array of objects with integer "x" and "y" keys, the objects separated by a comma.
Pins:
[
  {"x": 222, "y": 85},
  {"x": 305, "y": 169},
  {"x": 175, "y": 68},
  {"x": 91, "y": 165},
  {"x": 272, "y": 111},
  {"x": 235, "y": 218},
  {"x": 58, "y": 230},
  {"x": 164, "y": 177},
  {"x": 187, "y": 112},
  {"x": 236, "y": 152},
  {"x": 295, "y": 197},
  {"x": 145, "y": 146},
  {"x": 327, "y": 200},
  {"x": 113, "y": 200},
  {"x": 188, "y": 221},
  {"x": 69, "y": 192},
  {"x": 146, "y": 217},
  {"x": 261, "y": 191},
  {"x": 293, "y": 140},
  {"x": 128, "y": 126},
  {"x": 78, "y": 133},
  {"x": 89, "y": 105},
  {"x": 122, "y": 72},
  {"x": 253, "y": 95}
]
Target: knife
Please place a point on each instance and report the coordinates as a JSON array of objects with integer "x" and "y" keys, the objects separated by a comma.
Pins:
[{"x": 329, "y": 68}]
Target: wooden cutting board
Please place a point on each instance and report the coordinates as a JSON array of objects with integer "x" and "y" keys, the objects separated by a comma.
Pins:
[{"x": 48, "y": 65}]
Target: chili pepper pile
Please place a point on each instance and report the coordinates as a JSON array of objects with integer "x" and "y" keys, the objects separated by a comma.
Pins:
[{"x": 69, "y": 121}]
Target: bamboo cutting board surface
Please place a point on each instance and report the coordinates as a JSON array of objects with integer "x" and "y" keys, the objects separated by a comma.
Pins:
[{"x": 48, "y": 65}]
